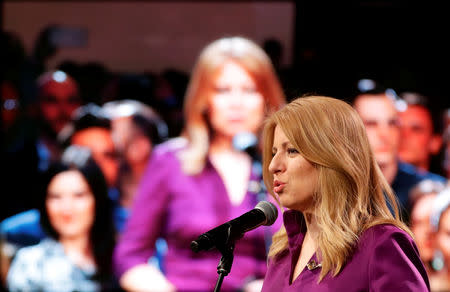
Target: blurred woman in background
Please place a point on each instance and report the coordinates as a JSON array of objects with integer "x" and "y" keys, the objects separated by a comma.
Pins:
[
  {"x": 200, "y": 180},
  {"x": 77, "y": 216}
]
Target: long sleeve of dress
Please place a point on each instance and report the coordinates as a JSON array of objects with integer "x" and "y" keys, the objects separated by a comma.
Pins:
[{"x": 136, "y": 244}]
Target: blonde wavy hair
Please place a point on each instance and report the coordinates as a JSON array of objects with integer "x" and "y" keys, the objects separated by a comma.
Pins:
[
  {"x": 197, "y": 128},
  {"x": 352, "y": 193}
]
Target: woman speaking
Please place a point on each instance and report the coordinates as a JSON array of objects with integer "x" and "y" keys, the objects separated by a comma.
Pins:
[{"x": 339, "y": 233}]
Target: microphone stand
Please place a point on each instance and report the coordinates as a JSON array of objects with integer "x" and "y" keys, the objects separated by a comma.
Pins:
[
  {"x": 224, "y": 267},
  {"x": 226, "y": 261}
]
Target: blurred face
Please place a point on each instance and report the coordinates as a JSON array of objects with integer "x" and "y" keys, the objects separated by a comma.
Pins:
[
  {"x": 70, "y": 204},
  {"x": 235, "y": 104},
  {"x": 58, "y": 100},
  {"x": 382, "y": 126},
  {"x": 100, "y": 142},
  {"x": 420, "y": 226},
  {"x": 294, "y": 177},
  {"x": 443, "y": 236},
  {"x": 121, "y": 132},
  {"x": 416, "y": 143},
  {"x": 132, "y": 145}
]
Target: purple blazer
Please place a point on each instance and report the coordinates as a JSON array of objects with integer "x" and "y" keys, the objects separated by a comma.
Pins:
[
  {"x": 385, "y": 259},
  {"x": 180, "y": 207}
]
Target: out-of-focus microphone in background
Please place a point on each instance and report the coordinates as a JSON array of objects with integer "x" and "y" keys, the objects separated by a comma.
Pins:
[
  {"x": 265, "y": 213},
  {"x": 248, "y": 143}
]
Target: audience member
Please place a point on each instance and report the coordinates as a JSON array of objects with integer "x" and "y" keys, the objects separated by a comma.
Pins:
[
  {"x": 136, "y": 129},
  {"x": 422, "y": 197},
  {"x": 339, "y": 233},
  {"x": 77, "y": 216},
  {"x": 91, "y": 128},
  {"x": 16, "y": 130},
  {"x": 88, "y": 128},
  {"x": 200, "y": 174},
  {"x": 378, "y": 110},
  {"x": 440, "y": 221},
  {"x": 30, "y": 154},
  {"x": 58, "y": 98},
  {"x": 420, "y": 135}
]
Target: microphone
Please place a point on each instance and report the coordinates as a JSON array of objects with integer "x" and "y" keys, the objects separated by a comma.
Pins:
[
  {"x": 265, "y": 213},
  {"x": 248, "y": 143}
]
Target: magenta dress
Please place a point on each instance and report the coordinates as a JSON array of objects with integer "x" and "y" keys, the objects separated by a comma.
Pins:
[
  {"x": 386, "y": 259},
  {"x": 179, "y": 207}
]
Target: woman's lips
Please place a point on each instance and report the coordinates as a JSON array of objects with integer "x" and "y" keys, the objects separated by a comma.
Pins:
[{"x": 278, "y": 186}]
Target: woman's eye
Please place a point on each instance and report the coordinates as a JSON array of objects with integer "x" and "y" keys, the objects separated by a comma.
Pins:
[
  {"x": 221, "y": 89},
  {"x": 250, "y": 89},
  {"x": 53, "y": 196},
  {"x": 292, "y": 151},
  {"x": 81, "y": 194}
]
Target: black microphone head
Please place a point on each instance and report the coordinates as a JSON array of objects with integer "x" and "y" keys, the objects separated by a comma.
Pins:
[
  {"x": 269, "y": 210},
  {"x": 248, "y": 143},
  {"x": 245, "y": 140}
]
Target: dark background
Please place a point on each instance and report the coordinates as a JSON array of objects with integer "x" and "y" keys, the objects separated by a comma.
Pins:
[{"x": 402, "y": 44}]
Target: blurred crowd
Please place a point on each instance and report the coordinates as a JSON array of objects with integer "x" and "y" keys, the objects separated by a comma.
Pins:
[{"x": 77, "y": 147}]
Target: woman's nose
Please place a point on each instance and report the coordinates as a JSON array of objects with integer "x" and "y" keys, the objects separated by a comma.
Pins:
[
  {"x": 275, "y": 164},
  {"x": 66, "y": 205}
]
